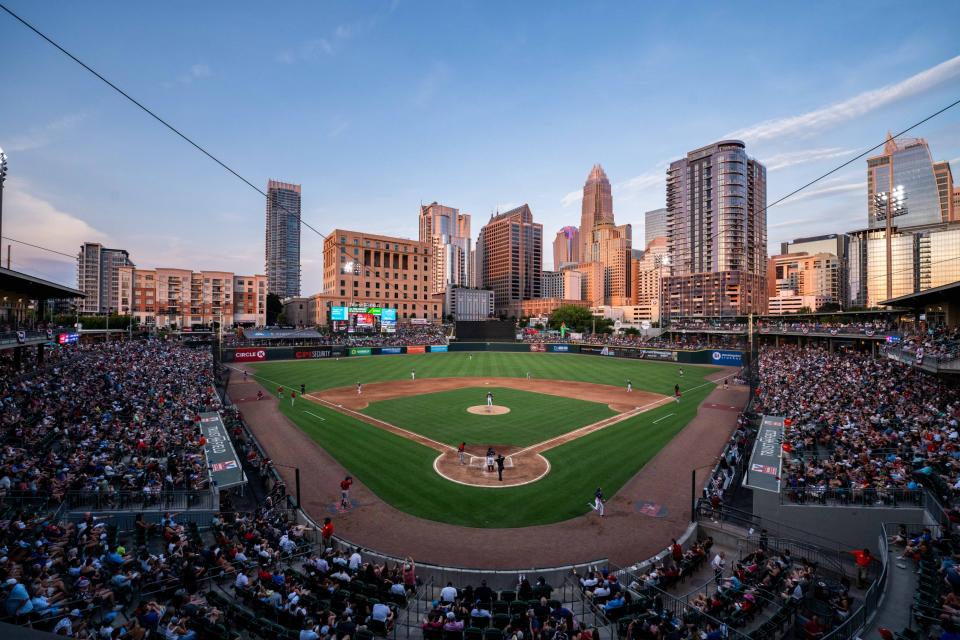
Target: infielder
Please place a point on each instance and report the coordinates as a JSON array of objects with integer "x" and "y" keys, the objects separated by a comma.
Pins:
[
  {"x": 629, "y": 386},
  {"x": 413, "y": 374},
  {"x": 359, "y": 388},
  {"x": 597, "y": 502}
]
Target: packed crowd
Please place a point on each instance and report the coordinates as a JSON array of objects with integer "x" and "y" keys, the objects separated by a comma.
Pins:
[
  {"x": 859, "y": 424},
  {"x": 706, "y": 325},
  {"x": 104, "y": 419},
  {"x": 406, "y": 334},
  {"x": 941, "y": 343}
]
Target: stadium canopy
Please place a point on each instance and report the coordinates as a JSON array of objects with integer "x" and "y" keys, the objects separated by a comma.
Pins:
[
  {"x": 281, "y": 334},
  {"x": 222, "y": 460},
  {"x": 945, "y": 297},
  {"x": 20, "y": 285}
]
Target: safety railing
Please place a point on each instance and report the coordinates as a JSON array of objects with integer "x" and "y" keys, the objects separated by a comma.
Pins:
[
  {"x": 140, "y": 500},
  {"x": 831, "y": 496}
]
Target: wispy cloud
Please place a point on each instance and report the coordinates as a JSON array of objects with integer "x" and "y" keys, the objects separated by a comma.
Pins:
[
  {"x": 41, "y": 136},
  {"x": 196, "y": 72},
  {"x": 322, "y": 46},
  {"x": 793, "y": 158},
  {"x": 829, "y": 189},
  {"x": 572, "y": 197},
  {"x": 627, "y": 189},
  {"x": 30, "y": 218},
  {"x": 853, "y": 107},
  {"x": 338, "y": 127},
  {"x": 430, "y": 84}
]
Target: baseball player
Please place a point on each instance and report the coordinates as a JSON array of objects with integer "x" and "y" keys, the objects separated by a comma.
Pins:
[
  {"x": 629, "y": 386},
  {"x": 500, "y": 463},
  {"x": 413, "y": 374},
  {"x": 490, "y": 459},
  {"x": 303, "y": 389},
  {"x": 359, "y": 388},
  {"x": 597, "y": 502},
  {"x": 345, "y": 492},
  {"x": 681, "y": 371},
  {"x": 724, "y": 384},
  {"x": 489, "y": 400},
  {"x": 676, "y": 392},
  {"x": 528, "y": 375},
  {"x": 280, "y": 393},
  {"x": 462, "y": 452},
  {"x": 293, "y": 398}
]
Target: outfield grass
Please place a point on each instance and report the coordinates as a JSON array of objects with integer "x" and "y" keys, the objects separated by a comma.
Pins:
[
  {"x": 533, "y": 417},
  {"x": 401, "y": 473},
  {"x": 658, "y": 377}
]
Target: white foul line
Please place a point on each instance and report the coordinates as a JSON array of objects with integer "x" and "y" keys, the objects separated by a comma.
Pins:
[
  {"x": 654, "y": 422},
  {"x": 324, "y": 419}
]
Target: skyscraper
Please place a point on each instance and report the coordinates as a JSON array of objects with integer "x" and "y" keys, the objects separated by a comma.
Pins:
[
  {"x": 283, "y": 239},
  {"x": 510, "y": 259},
  {"x": 98, "y": 277},
  {"x": 597, "y": 207},
  {"x": 944, "y": 178},
  {"x": 566, "y": 247},
  {"x": 716, "y": 233},
  {"x": 655, "y": 225},
  {"x": 447, "y": 231},
  {"x": 913, "y": 170}
]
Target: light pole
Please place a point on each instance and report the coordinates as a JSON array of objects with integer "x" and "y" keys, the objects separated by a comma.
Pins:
[
  {"x": 3, "y": 177},
  {"x": 890, "y": 204}
]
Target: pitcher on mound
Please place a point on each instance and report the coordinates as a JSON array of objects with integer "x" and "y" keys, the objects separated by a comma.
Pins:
[{"x": 489, "y": 401}]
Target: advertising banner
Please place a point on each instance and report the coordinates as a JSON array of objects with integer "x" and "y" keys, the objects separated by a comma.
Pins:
[
  {"x": 364, "y": 319},
  {"x": 249, "y": 355},
  {"x": 537, "y": 347},
  {"x": 727, "y": 358},
  {"x": 312, "y": 354},
  {"x": 222, "y": 459},
  {"x": 389, "y": 351},
  {"x": 438, "y": 348},
  {"x": 361, "y": 351},
  {"x": 417, "y": 349},
  {"x": 559, "y": 348},
  {"x": 68, "y": 338},
  {"x": 764, "y": 470},
  {"x": 338, "y": 313}
]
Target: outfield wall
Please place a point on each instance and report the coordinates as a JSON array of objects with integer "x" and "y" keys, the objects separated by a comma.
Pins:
[{"x": 725, "y": 357}]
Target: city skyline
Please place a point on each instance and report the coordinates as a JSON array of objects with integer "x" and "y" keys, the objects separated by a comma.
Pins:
[{"x": 78, "y": 172}]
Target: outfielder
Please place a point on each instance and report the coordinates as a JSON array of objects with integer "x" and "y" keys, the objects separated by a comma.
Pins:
[{"x": 597, "y": 502}]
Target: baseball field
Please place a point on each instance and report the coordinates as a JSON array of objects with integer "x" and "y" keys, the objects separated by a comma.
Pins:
[{"x": 565, "y": 423}]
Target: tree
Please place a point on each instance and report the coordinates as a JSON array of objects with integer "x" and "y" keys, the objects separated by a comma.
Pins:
[
  {"x": 631, "y": 331},
  {"x": 578, "y": 319},
  {"x": 274, "y": 308},
  {"x": 830, "y": 306}
]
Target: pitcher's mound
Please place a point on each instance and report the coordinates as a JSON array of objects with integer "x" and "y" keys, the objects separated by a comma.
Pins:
[{"x": 484, "y": 410}]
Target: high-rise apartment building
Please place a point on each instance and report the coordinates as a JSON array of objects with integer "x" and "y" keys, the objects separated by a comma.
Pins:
[
  {"x": 369, "y": 270},
  {"x": 716, "y": 233},
  {"x": 597, "y": 207},
  {"x": 654, "y": 225},
  {"x": 566, "y": 247},
  {"x": 185, "y": 298},
  {"x": 817, "y": 278},
  {"x": 98, "y": 277},
  {"x": 913, "y": 171},
  {"x": 447, "y": 231},
  {"x": 510, "y": 259},
  {"x": 566, "y": 284},
  {"x": 283, "y": 239},
  {"x": 647, "y": 271}
]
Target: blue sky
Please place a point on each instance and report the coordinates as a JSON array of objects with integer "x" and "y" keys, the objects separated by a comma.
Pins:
[{"x": 376, "y": 107}]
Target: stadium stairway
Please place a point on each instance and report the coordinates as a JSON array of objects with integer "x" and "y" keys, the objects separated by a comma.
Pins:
[{"x": 894, "y": 610}]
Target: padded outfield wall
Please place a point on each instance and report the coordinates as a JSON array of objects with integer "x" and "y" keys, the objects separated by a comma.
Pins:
[{"x": 724, "y": 357}]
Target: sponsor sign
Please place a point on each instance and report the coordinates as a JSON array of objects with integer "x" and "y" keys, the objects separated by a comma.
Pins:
[
  {"x": 438, "y": 348},
  {"x": 893, "y": 339},
  {"x": 391, "y": 350},
  {"x": 312, "y": 354},
  {"x": 654, "y": 354},
  {"x": 765, "y": 459},
  {"x": 364, "y": 319},
  {"x": 727, "y": 358},
  {"x": 560, "y": 348},
  {"x": 222, "y": 459},
  {"x": 68, "y": 338},
  {"x": 338, "y": 313},
  {"x": 361, "y": 351},
  {"x": 249, "y": 355},
  {"x": 537, "y": 347},
  {"x": 417, "y": 349}
]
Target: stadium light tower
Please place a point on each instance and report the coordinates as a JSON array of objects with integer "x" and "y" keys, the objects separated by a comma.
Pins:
[{"x": 3, "y": 177}]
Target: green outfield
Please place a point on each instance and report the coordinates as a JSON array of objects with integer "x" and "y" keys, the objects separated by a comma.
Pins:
[
  {"x": 533, "y": 417},
  {"x": 401, "y": 472}
]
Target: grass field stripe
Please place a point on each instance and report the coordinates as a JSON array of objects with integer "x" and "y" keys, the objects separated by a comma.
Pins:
[
  {"x": 415, "y": 437},
  {"x": 591, "y": 428},
  {"x": 321, "y": 418},
  {"x": 654, "y": 422}
]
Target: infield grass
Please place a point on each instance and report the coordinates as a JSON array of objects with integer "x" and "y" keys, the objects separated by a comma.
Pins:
[
  {"x": 401, "y": 473},
  {"x": 533, "y": 417}
]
